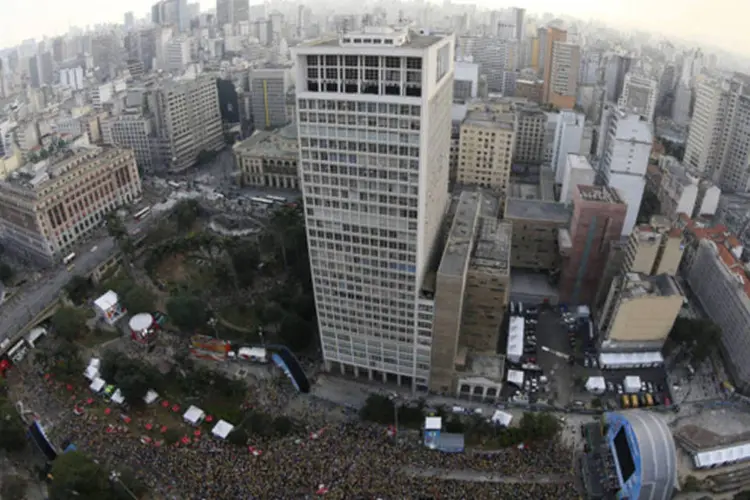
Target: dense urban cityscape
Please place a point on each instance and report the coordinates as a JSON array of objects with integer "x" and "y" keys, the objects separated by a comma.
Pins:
[{"x": 397, "y": 251}]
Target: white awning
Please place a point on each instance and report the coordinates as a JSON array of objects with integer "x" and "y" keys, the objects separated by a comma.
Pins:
[
  {"x": 596, "y": 384},
  {"x": 34, "y": 335},
  {"x": 222, "y": 429},
  {"x": 91, "y": 373},
  {"x": 150, "y": 397},
  {"x": 194, "y": 415},
  {"x": 515, "y": 377},
  {"x": 502, "y": 418},
  {"x": 433, "y": 423},
  {"x": 95, "y": 362},
  {"x": 117, "y": 398},
  {"x": 630, "y": 359},
  {"x": 97, "y": 384},
  {"x": 515, "y": 338},
  {"x": 106, "y": 301},
  {"x": 736, "y": 453}
]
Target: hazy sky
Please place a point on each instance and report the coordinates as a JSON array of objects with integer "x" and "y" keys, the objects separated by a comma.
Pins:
[{"x": 720, "y": 22}]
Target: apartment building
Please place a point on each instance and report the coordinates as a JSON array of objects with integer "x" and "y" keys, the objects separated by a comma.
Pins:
[
  {"x": 598, "y": 216},
  {"x": 187, "y": 120},
  {"x": 718, "y": 279},
  {"x": 679, "y": 191},
  {"x": 568, "y": 138},
  {"x": 472, "y": 286},
  {"x": 531, "y": 125},
  {"x": 654, "y": 248},
  {"x": 269, "y": 88},
  {"x": 625, "y": 141},
  {"x": 269, "y": 158},
  {"x": 639, "y": 312},
  {"x": 136, "y": 132},
  {"x": 486, "y": 143},
  {"x": 455, "y": 152},
  {"x": 529, "y": 89},
  {"x": 536, "y": 227},
  {"x": 46, "y": 208},
  {"x": 639, "y": 95},
  {"x": 563, "y": 76},
  {"x": 548, "y": 38},
  {"x": 375, "y": 187}
]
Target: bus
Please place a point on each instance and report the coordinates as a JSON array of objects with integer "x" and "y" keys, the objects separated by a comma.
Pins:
[
  {"x": 173, "y": 184},
  {"x": 278, "y": 199},
  {"x": 262, "y": 201},
  {"x": 69, "y": 258},
  {"x": 18, "y": 351},
  {"x": 142, "y": 214}
]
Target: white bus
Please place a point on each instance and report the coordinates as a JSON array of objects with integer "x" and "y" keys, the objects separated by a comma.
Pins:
[
  {"x": 173, "y": 184},
  {"x": 69, "y": 258},
  {"x": 142, "y": 214},
  {"x": 279, "y": 199},
  {"x": 262, "y": 201},
  {"x": 18, "y": 351}
]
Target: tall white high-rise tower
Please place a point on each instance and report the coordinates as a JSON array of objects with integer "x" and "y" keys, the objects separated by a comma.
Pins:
[{"x": 374, "y": 129}]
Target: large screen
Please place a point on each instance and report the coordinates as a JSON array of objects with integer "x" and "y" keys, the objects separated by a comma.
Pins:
[{"x": 624, "y": 457}]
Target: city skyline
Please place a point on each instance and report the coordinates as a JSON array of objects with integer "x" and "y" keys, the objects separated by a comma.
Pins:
[{"x": 670, "y": 18}]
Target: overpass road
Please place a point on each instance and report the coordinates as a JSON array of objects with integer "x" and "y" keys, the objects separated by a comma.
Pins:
[{"x": 35, "y": 297}]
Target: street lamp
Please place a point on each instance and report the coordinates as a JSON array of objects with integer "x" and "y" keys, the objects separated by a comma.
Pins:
[
  {"x": 212, "y": 323},
  {"x": 115, "y": 478},
  {"x": 394, "y": 399},
  {"x": 260, "y": 334}
]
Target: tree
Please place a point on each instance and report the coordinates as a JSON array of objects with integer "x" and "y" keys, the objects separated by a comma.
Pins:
[
  {"x": 78, "y": 289},
  {"x": 378, "y": 409},
  {"x": 6, "y": 272},
  {"x": 283, "y": 425},
  {"x": 13, "y": 486},
  {"x": 133, "y": 377},
  {"x": 69, "y": 323},
  {"x": 699, "y": 336},
  {"x": 186, "y": 212},
  {"x": 172, "y": 436},
  {"x": 128, "y": 482},
  {"x": 76, "y": 477},
  {"x": 66, "y": 359},
  {"x": 138, "y": 299},
  {"x": 296, "y": 333},
  {"x": 238, "y": 437},
  {"x": 12, "y": 432},
  {"x": 187, "y": 312}
]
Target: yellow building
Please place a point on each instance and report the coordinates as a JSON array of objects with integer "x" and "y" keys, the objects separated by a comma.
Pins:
[
  {"x": 486, "y": 148},
  {"x": 654, "y": 248},
  {"x": 640, "y": 311}
]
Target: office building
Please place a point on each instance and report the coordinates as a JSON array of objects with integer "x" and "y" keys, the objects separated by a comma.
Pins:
[
  {"x": 551, "y": 37},
  {"x": 639, "y": 96},
  {"x": 531, "y": 123},
  {"x": 486, "y": 149},
  {"x": 718, "y": 279},
  {"x": 472, "y": 285},
  {"x": 576, "y": 172},
  {"x": 466, "y": 82},
  {"x": 46, "y": 208},
  {"x": 269, "y": 158},
  {"x": 72, "y": 78},
  {"x": 563, "y": 76},
  {"x": 536, "y": 225},
  {"x": 567, "y": 140},
  {"x": 598, "y": 216},
  {"x": 35, "y": 80},
  {"x": 137, "y": 132},
  {"x": 617, "y": 66},
  {"x": 374, "y": 208},
  {"x": 494, "y": 56},
  {"x": 679, "y": 191},
  {"x": 177, "y": 54},
  {"x": 591, "y": 68},
  {"x": 269, "y": 88},
  {"x": 681, "y": 104},
  {"x": 718, "y": 144},
  {"x": 232, "y": 12},
  {"x": 171, "y": 12},
  {"x": 625, "y": 141},
  {"x": 639, "y": 312},
  {"x": 529, "y": 89},
  {"x": 654, "y": 248}
]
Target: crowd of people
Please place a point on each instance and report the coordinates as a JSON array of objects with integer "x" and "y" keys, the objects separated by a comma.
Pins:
[{"x": 341, "y": 458}]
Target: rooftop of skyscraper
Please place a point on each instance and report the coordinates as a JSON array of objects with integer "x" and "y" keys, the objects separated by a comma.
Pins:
[{"x": 602, "y": 194}]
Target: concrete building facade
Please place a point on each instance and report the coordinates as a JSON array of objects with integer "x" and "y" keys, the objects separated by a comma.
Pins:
[
  {"x": 269, "y": 88},
  {"x": 654, "y": 248},
  {"x": 530, "y": 133},
  {"x": 486, "y": 145},
  {"x": 269, "y": 158},
  {"x": 568, "y": 139},
  {"x": 639, "y": 95},
  {"x": 536, "y": 227}
]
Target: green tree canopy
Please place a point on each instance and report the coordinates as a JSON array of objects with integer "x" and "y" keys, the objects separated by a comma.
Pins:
[
  {"x": 13, "y": 486},
  {"x": 76, "y": 477},
  {"x": 69, "y": 323},
  {"x": 6, "y": 272},
  {"x": 699, "y": 336},
  {"x": 133, "y": 377},
  {"x": 186, "y": 213},
  {"x": 138, "y": 299},
  {"x": 12, "y": 432},
  {"x": 187, "y": 312},
  {"x": 78, "y": 289},
  {"x": 296, "y": 333},
  {"x": 66, "y": 359}
]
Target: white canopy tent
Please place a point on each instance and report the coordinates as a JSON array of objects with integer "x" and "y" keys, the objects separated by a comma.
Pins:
[
  {"x": 515, "y": 377},
  {"x": 615, "y": 360},
  {"x": 194, "y": 415},
  {"x": 91, "y": 373},
  {"x": 433, "y": 423},
  {"x": 515, "y": 339},
  {"x": 222, "y": 429},
  {"x": 502, "y": 418},
  {"x": 254, "y": 354},
  {"x": 35, "y": 334},
  {"x": 632, "y": 383},
  {"x": 597, "y": 385},
  {"x": 150, "y": 397},
  {"x": 95, "y": 362},
  {"x": 117, "y": 398},
  {"x": 97, "y": 385},
  {"x": 730, "y": 454}
]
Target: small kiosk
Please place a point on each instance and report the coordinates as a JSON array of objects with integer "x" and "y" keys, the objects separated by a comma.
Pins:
[
  {"x": 108, "y": 308},
  {"x": 143, "y": 328}
]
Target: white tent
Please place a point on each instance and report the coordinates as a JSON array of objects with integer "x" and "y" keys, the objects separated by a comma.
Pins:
[
  {"x": 117, "y": 398},
  {"x": 597, "y": 385},
  {"x": 502, "y": 418},
  {"x": 35, "y": 334},
  {"x": 95, "y": 362},
  {"x": 632, "y": 383},
  {"x": 194, "y": 415},
  {"x": 515, "y": 339},
  {"x": 255, "y": 354},
  {"x": 619, "y": 360},
  {"x": 433, "y": 423},
  {"x": 97, "y": 385},
  {"x": 222, "y": 429},
  {"x": 91, "y": 373},
  {"x": 515, "y": 377},
  {"x": 150, "y": 397}
]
